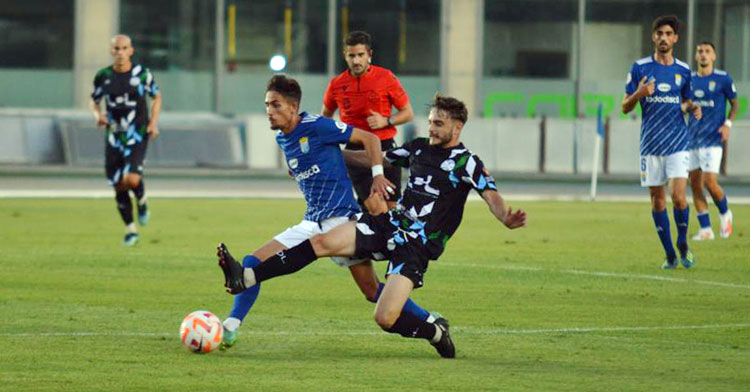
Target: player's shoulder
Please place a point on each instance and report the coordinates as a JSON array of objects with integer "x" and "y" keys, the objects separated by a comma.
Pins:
[
  {"x": 104, "y": 72},
  {"x": 341, "y": 78},
  {"x": 139, "y": 69},
  {"x": 310, "y": 118},
  {"x": 721, "y": 72},
  {"x": 643, "y": 61},
  {"x": 682, "y": 65}
]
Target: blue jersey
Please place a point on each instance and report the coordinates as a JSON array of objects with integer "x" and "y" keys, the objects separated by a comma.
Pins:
[
  {"x": 711, "y": 93},
  {"x": 314, "y": 157},
  {"x": 663, "y": 129}
]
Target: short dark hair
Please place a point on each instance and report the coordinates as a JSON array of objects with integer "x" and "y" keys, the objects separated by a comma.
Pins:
[
  {"x": 709, "y": 43},
  {"x": 455, "y": 109},
  {"x": 357, "y": 38},
  {"x": 285, "y": 86},
  {"x": 670, "y": 20}
]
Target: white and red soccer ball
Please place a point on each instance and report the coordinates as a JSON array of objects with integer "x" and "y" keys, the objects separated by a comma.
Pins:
[{"x": 201, "y": 331}]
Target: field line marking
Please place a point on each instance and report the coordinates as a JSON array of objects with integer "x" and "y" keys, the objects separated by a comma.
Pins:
[
  {"x": 461, "y": 330},
  {"x": 600, "y": 274}
]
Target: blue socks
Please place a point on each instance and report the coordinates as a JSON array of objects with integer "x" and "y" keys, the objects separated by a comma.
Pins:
[
  {"x": 681, "y": 221},
  {"x": 661, "y": 220},
  {"x": 704, "y": 219},
  {"x": 245, "y": 300},
  {"x": 722, "y": 204},
  {"x": 409, "y": 307}
]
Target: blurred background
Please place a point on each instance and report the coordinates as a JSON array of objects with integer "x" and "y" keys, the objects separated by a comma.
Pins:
[{"x": 534, "y": 73}]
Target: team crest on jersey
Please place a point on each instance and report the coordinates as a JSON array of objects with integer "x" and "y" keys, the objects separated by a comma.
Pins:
[
  {"x": 699, "y": 93},
  {"x": 711, "y": 86},
  {"x": 448, "y": 164},
  {"x": 678, "y": 80},
  {"x": 293, "y": 163},
  {"x": 304, "y": 146}
]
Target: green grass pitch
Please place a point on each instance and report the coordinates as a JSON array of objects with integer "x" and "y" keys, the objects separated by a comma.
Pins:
[{"x": 573, "y": 302}]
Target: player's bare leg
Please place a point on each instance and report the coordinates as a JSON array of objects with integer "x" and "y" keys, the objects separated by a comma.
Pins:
[
  {"x": 701, "y": 206},
  {"x": 366, "y": 278},
  {"x": 711, "y": 182},
  {"x": 134, "y": 182}
]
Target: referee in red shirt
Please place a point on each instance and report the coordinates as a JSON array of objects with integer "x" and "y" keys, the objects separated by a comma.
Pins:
[{"x": 365, "y": 95}]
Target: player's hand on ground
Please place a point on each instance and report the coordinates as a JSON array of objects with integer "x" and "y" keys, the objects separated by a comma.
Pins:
[
  {"x": 724, "y": 131},
  {"x": 153, "y": 131},
  {"x": 376, "y": 120},
  {"x": 646, "y": 88},
  {"x": 375, "y": 204},
  {"x": 514, "y": 220},
  {"x": 381, "y": 185}
]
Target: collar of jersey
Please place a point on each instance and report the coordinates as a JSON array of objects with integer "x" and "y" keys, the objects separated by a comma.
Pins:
[
  {"x": 367, "y": 73},
  {"x": 295, "y": 130}
]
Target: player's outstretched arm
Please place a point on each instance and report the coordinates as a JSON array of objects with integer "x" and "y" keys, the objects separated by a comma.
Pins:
[
  {"x": 371, "y": 143},
  {"x": 511, "y": 219}
]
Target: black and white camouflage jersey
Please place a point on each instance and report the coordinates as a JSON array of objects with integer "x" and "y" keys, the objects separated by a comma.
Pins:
[
  {"x": 439, "y": 182},
  {"x": 125, "y": 100}
]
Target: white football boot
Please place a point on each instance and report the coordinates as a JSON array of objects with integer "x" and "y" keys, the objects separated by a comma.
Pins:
[
  {"x": 704, "y": 234},
  {"x": 726, "y": 224}
]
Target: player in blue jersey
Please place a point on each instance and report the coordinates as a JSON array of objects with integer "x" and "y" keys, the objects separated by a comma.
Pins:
[
  {"x": 711, "y": 89},
  {"x": 661, "y": 84},
  {"x": 310, "y": 144}
]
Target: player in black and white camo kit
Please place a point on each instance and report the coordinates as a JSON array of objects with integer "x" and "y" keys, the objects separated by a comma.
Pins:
[
  {"x": 442, "y": 172},
  {"x": 124, "y": 87}
]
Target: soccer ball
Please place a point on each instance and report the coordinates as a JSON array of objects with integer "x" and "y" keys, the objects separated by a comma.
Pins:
[{"x": 201, "y": 331}]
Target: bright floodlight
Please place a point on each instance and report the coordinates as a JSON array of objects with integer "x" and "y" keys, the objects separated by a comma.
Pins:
[{"x": 277, "y": 63}]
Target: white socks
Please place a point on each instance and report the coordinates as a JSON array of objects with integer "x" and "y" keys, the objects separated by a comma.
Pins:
[{"x": 232, "y": 323}]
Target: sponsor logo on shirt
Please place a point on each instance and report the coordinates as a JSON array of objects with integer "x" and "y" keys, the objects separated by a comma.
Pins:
[
  {"x": 307, "y": 173},
  {"x": 293, "y": 163},
  {"x": 668, "y": 99},
  {"x": 705, "y": 103},
  {"x": 665, "y": 87},
  {"x": 699, "y": 93}
]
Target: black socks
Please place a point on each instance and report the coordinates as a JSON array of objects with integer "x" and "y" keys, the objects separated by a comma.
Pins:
[{"x": 286, "y": 262}]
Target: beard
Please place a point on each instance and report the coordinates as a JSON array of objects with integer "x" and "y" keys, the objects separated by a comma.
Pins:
[
  {"x": 663, "y": 48},
  {"x": 438, "y": 141}
]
